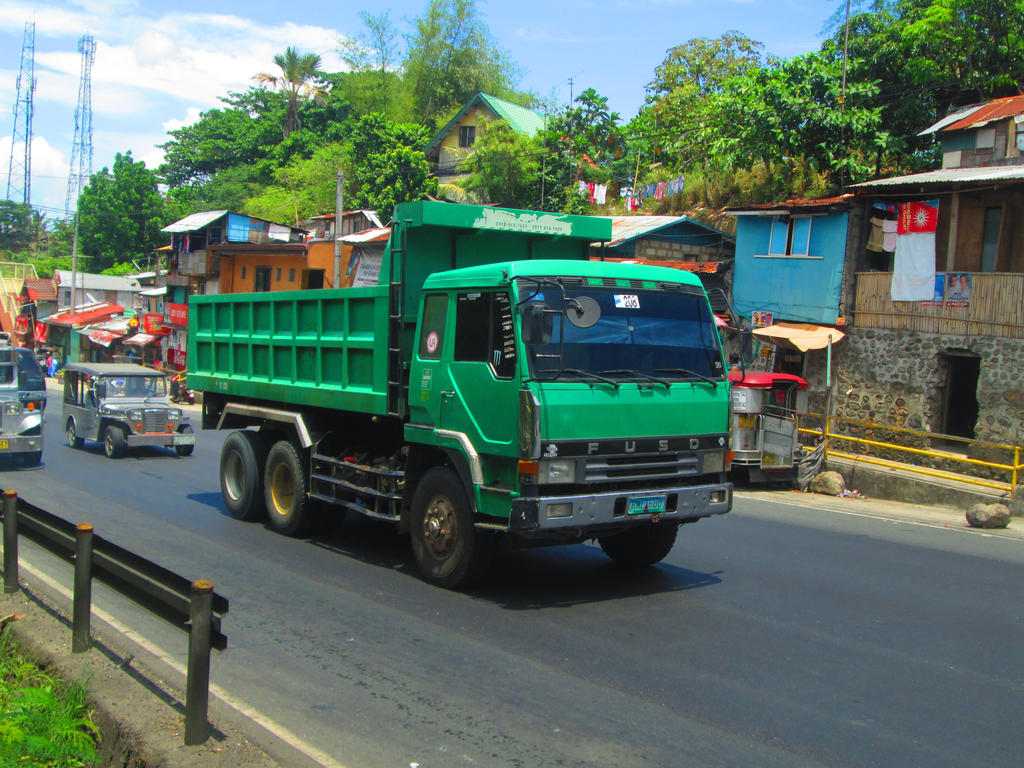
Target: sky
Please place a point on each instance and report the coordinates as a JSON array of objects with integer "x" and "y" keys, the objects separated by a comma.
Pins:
[{"x": 159, "y": 65}]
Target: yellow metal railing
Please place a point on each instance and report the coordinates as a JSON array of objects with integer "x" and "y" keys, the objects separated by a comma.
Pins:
[{"x": 1012, "y": 467}]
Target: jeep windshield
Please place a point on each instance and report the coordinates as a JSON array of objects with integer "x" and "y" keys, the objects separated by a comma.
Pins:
[
  {"x": 136, "y": 386},
  {"x": 623, "y": 334}
]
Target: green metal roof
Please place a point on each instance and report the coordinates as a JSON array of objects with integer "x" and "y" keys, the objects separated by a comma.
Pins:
[{"x": 521, "y": 119}]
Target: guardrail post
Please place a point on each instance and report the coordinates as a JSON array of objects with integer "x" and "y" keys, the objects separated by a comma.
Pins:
[
  {"x": 81, "y": 610},
  {"x": 197, "y": 684},
  {"x": 10, "y": 542}
]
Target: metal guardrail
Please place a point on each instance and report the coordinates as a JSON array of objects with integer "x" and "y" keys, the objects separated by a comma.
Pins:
[
  {"x": 1014, "y": 467},
  {"x": 189, "y": 606}
]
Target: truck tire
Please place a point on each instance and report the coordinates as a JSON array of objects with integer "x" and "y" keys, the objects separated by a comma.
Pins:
[
  {"x": 288, "y": 504},
  {"x": 449, "y": 552},
  {"x": 241, "y": 475},
  {"x": 641, "y": 547},
  {"x": 113, "y": 441},
  {"x": 73, "y": 439},
  {"x": 184, "y": 450}
]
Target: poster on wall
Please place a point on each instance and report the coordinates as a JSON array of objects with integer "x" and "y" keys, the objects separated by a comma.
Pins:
[
  {"x": 177, "y": 314},
  {"x": 761, "y": 319},
  {"x": 958, "y": 289},
  {"x": 367, "y": 267},
  {"x": 41, "y": 333}
]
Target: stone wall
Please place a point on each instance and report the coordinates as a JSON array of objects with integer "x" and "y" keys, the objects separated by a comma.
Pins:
[{"x": 899, "y": 378}]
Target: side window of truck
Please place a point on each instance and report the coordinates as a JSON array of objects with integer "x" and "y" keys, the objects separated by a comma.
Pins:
[
  {"x": 435, "y": 312},
  {"x": 483, "y": 331}
]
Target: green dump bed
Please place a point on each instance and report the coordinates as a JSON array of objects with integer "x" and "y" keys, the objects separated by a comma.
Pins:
[
  {"x": 321, "y": 348},
  {"x": 329, "y": 348}
]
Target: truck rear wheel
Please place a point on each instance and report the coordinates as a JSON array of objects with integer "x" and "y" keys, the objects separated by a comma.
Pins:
[
  {"x": 449, "y": 551},
  {"x": 641, "y": 546},
  {"x": 241, "y": 474},
  {"x": 285, "y": 487}
]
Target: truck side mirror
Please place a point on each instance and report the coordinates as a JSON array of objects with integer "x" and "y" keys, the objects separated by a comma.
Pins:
[
  {"x": 537, "y": 324},
  {"x": 101, "y": 390}
]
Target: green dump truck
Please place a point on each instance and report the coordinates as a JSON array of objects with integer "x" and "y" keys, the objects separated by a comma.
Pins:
[{"x": 496, "y": 385}]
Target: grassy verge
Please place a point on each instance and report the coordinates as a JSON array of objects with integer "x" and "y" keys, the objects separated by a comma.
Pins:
[{"x": 44, "y": 721}]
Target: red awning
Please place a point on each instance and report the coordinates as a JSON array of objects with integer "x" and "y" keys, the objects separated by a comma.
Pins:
[
  {"x": 141, "y": 339},
  {"x": 103, "y": 338},
  {"x": 86, "y": 316}
]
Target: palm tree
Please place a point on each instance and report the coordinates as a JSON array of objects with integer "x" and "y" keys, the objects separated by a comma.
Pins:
[{"x": 299, "y": 73}]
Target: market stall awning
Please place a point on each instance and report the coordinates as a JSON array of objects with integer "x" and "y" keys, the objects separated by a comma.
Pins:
[
  {"x": 103, "y": 338},
  {"x": 800, "y": 336},
  {"x": 141, "y": 339},
  {"x": 92, "y": 314}
]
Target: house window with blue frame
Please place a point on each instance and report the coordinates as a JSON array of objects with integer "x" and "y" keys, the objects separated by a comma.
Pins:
[{"x": 790, "y": 236}]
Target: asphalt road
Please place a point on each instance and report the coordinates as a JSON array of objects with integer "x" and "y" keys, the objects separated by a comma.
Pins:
[{"x": 780, "y": 634}]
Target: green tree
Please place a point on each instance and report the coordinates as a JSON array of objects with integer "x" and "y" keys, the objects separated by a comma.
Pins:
[
  {"x": 375, "y": 50},
  {"x": 504, "y": 167},
  {"x": 16, "y": 226},
  {"x": 120, "y": 213},
  {"x": 303, "y": 188},
  {"x": 388, "y": 164},
  {"x": 300, "y": 75},
  {"x": 451, "y": 56}
]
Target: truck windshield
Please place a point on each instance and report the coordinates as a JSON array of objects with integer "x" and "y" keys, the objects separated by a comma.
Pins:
[{"x": 619, "y": 334}]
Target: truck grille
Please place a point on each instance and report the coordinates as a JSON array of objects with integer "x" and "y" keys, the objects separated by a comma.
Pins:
[
  {"x": 154, "y": 420},
  {"x": 652, "y": 466}
]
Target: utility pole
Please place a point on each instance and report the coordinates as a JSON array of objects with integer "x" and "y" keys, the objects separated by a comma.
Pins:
[{"x": 339, "y": 211}]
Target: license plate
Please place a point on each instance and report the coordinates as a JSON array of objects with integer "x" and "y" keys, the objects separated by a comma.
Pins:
[
  {"x": 4, "y": 445},
  {"x": 646, "y": 505}
]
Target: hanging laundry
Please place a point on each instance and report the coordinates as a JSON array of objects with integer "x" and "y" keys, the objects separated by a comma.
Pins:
[
  {"x": 582, "y": 188},
  {"x": 659, "y": 191},
  {"x": 889, "y": 233},
  {"x": 913, "y": 274},
  {"x": 876, "y": 238},
  {"x": 590, "y": 190},
  {"x": 600, "y": 193}
]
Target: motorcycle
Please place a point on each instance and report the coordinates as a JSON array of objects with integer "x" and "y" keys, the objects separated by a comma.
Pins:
[{"x": 180, "y": 393}]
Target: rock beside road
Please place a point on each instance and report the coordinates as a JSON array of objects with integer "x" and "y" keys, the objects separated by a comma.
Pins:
[
  {"x": 830, "y": 483},
  {"x": 988, "y": 515}
]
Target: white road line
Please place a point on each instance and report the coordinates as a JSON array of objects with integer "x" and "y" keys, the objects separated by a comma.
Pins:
[{"x": 239, "y": 706}]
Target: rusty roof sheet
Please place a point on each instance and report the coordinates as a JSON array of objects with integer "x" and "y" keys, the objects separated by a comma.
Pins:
[
  {"x": 997, "y": 109},
  {"x": 789, "y": 205},
  {"x": 625, "y": 228}
]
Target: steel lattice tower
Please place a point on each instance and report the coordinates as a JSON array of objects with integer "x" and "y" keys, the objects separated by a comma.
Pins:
[
  {"x": 81, "y": 149},
  {"x": 19, "y": 171}
]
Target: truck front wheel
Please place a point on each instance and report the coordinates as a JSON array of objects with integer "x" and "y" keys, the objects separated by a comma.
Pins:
[
  {"x": 287, "y": 503},
  {"x": 241, "y": 474},
  {"x": 641, "y": 546},
  {"x": 448, "y": 551}
]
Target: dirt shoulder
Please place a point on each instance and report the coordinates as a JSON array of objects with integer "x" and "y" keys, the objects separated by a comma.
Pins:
[{"x": 140, "y": 713}]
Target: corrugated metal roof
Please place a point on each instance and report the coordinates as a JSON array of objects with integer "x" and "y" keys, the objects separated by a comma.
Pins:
[
  {"x": 951, "y": 118},
  {"x": 626, "y": 228},
  {"x": 194, "y": 221},
  {"x": 44, "y": 289},
  {"x": 997, "y": 109},
  {"x": 377, "y": 235},
  {"x": 85, "y": 316},
  {"x": 949, "y": 176},
  {"x": 95, "y": 282},
  {"x": 709, "y": 267}
]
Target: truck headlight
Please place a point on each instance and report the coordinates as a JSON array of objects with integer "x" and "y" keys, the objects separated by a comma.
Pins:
[
  {"x": 135, "y": 415},
  {"x": 557, "y": 471},
  {"x": 714, "y": 461}
]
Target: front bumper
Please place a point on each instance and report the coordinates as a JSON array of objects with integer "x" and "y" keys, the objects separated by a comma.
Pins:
[
  {"x": 682, "y": 504},
  {"x": 168, "y": 440},
  {"x": 21, "y": 443}
]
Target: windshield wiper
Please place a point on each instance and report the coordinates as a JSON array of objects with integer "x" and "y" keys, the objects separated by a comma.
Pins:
[
  {"x": 637, "y": 374},
  {"x": 688, "y": 372},
  {"x": 575, "y": 372}
]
